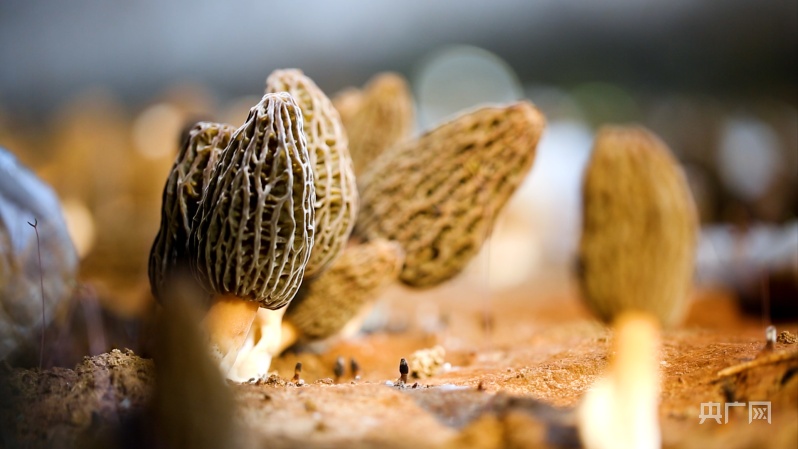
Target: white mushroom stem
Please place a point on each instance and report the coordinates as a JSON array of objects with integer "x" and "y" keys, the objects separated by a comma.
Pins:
[
  {"x": 289, "y": 335},
  {"x": 261, "y": 344},
  {"x": 227, "y": 323},
  {"x": 243, "y": 337},
  {"x": 621, "y": 410}
]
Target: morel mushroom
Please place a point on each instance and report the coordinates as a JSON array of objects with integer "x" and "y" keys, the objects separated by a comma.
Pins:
[
  {"x": 639, "y": 229},
  {"x": 439, "y": 195},
  {"x": 251, "y": 235},
  {"x": 191, "y": 171},
  {"x": 334, "y": 177},
  {"x": 338, "y": 301},
  {"x": 254, "y": 233},
  {"x": 376, "y": 118}
]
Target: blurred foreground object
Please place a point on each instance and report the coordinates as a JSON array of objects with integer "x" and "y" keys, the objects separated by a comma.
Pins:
[
  {"x": 25, "y": 199},
  {"x": 639, "y": 228},
  {"x": 621, "y": 410}
]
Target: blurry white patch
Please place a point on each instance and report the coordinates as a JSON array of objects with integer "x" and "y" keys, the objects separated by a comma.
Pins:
[
  {"x": 462, "y": 77},
  {"x": 539, "y": 228},
  {"x": 156, "y": 131},
  {"x": 749, "y": 156}
]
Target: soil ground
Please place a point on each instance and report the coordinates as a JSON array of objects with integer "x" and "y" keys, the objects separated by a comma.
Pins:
[{"x": 518, "y": 363}]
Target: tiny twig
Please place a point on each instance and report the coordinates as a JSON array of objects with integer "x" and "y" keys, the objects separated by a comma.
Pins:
[
  {"x": 41, "y": 284},
  {"x": 297, "y": 372},
  {"x": 774, "y": 357},
  {"x": 403, "y": 371},
  {"x": 338, "y": 370}
]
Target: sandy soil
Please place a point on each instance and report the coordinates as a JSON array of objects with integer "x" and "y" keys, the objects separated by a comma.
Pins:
[{"x": 517, "y": 366}]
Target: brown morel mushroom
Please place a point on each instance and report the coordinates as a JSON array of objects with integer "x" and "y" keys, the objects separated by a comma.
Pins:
[
  {"x": 639, "y": 228},
  {"x": 334, "y": 177},
  {"x": 198, "y": 155},
  {"x": 376, "y": 118},
  {"x": 337, "y": 302},
  {"x": 439, "y": 195},
  {"x": 253, "y": 234}
]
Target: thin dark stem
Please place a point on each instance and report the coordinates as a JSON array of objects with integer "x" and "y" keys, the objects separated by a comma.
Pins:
[{"x": 41, "y": 284}]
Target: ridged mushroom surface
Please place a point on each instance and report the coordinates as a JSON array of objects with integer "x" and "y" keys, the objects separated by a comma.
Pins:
[
  {"x": 190, "y": 173},
  {"x": 439, "y": 195},
  {"x": 333, "y": 174},
  {"x": 376, "y": 118},
  {"x": 639, "y": 227},
  {"x": 255, "y": 229},
  {"x": 353, "y": 281}
]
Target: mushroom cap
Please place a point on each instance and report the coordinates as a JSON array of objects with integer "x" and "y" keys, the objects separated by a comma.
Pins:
[
  {"x": 377, "y": 117},
  {"x": 639, "y": 228},
  {"x": 198, "y": 155},
  {"x": 439, "y": 195},
  {"x": 24, "y": 199},
  {"x": 353, "y": 281},
  {"x": 254, "y": 229},
  {"x": 334, "y": 177}
]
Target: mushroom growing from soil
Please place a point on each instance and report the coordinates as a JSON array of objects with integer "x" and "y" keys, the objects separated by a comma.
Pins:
[
  {"x": 621, "y": 410},
  {"x": 251, "y": 235},
  {"x": 639, "y": 229}
]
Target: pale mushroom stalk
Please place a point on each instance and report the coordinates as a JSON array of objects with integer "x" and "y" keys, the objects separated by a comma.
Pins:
[
  {"x": 228, "y": 323},
  {"x": 260, "y": 345},
  {"x": 621, "y": 410}
]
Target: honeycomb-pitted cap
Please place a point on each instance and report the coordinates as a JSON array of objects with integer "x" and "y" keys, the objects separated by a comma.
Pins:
[
  {"x": 439, "y": 195},
  {"x": 254, "y": 230},
  {"x": 639, "y": 227},
  {"x": 333, "y": 174},
  {"x": 353, "y": 281},
  {"x": 198, "y": 155}
]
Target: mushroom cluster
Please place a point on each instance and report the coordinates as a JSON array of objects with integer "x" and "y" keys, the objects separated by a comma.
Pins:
[{"x": 253, "y": 214}]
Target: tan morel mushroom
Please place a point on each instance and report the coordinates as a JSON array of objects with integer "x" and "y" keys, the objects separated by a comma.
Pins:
[
  {"x": 439, "y": 195},
  {"x": 376, "y": 118},
  {"x": 334, "y": 177},
  {"x": 254, "y": 233},
  {"x": 337, "y": 302},
  {"x": 190, "y": 172},
  {"x": 639, "y": 228}
]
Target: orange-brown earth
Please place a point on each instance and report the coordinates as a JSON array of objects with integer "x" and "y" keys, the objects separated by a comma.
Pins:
[{"x": 519, "y": 362}]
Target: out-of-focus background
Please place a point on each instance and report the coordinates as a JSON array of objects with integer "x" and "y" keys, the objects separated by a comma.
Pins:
[{"x": 94, "y": 94}]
